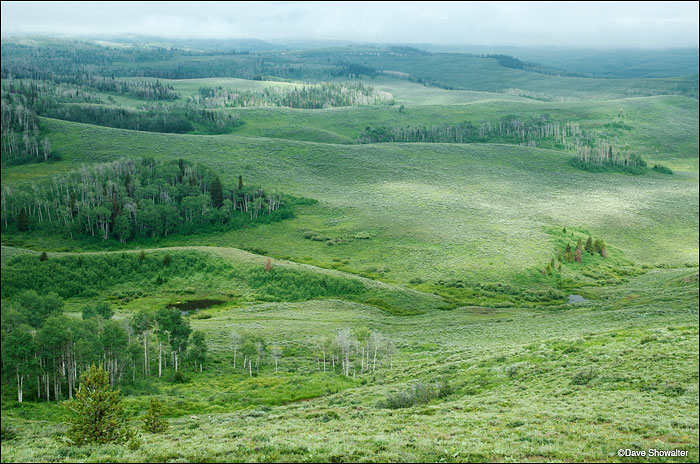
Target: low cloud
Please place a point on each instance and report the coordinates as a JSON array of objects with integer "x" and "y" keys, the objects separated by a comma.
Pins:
[{"x": 594, "y": 24}]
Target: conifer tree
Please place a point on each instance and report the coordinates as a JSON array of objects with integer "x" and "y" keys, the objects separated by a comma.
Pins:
[
  {"x": 589, "y": 245},
  {"x": 97, "y": 413},
  {"x": 22, "y": 221},
  {"x": 597, "y": 245},
  {"x": 153, "y": 421},
  {"x": 217, "y": 193}
]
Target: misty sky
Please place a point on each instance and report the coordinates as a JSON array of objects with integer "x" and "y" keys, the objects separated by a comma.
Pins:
[{"x": 595, "y": 24}]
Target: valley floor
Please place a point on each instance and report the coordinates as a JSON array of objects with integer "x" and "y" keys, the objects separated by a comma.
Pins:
[{"x": 568, "y": 383}]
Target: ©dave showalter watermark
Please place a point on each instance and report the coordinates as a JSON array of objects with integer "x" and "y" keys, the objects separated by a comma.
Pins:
[{"x": 651, "y": 453}]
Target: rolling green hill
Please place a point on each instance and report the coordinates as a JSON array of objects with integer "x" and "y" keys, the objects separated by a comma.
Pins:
[
  {"x": 453, "y": 209},
  {"x": 565, "y": 384},
  {"x": 448, "y": 259}
]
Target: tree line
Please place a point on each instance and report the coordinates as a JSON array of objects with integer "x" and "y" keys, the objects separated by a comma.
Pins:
[
  {"x": 70, "y": 103},
  {"x": 353, "y": 70},
  {"x": 510, "y": 129},
  {"x": 21, "y": 135},
  {"x": 68, "y": 57},
  {"x": 35, "y": 93},
  {"x": 602, "y": 157},
  {"x": 142, "y": 90},
  {"x": 348, "y": 352},
  {"x": 508, "y": 61},
  {"x": 324, "y": 95},
  {"x": 137, "y": 198},
  {"x": 85, "y": 84},
  {"x": 45, "y": 352},
  {"x": 593, "y": 153},
  {"x": 135, "y": 273},
  {"x": 175, "y": 119}
]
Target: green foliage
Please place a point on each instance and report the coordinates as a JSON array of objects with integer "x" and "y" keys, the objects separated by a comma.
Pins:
[
  {"x": 662, "y": 169},
  {"x": 140, "y": 198},
  {"x": 96, "y": 414},
  {"x": 323, "y": 95},
  {"x": 281, "y": 284},
  {"x": 68, "y": 276},
  {"x": 17, "y": 354},
  {"x": 492, "y": 357},
  {"x": 509, "y": 129},
  {"x": 172, "y": 328},
  {"x": 153, "y": 421},
  {"x": 21, "y": 133},
  {"x": 7, "y": 433},
  {"x": 143, "y": 90},
  {"x": 601, "y": 157},
  {"x": 36, "y": 308},
  {"x": 102, "y": 309},
  {"x": 39, "y": 98},
  {"x": 455, "y": 220},
  {"x": 419, "y": 393},
  {"x": 180, "y": 377},
  {"x": 217, "y": 193},
  {"x": 198, "y": 349},
  {"x": 177, "y": 120},
  {"x": 584, "y": 376},
  {"x": 22, "y": 221}
]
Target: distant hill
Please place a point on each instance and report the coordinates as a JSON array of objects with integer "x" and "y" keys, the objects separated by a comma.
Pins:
[{"x": 621, "y": 63}]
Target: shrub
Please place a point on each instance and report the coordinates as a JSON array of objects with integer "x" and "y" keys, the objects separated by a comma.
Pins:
[
  {"x": 153, "y": 421},
  {"x": 419, "y": 393},
  {"x": 202, "y": 316},
  {"x": 662, "y": 169},
  {"x": 179, "y": 377},
  {"x": 584, "y": 376},
  {"x": 7, "y": 433}
]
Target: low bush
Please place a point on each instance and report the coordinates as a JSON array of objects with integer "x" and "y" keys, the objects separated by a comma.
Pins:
[{"x": 419, "y": 393}]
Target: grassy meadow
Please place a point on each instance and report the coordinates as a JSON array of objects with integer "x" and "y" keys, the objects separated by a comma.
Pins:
[
  {"x": 527, "y": 384},
  {"x": 452, "y": 252}
]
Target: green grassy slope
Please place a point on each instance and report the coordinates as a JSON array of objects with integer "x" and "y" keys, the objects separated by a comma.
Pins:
[
  {"x": 661, "y": 128},
  {"x": 432, "y": 210},
  {"x": 485, "y": 74},
  {"x": 620, "y": 63},
  {"x": 439, "y": 247},
  {"x": 568, "y": 385}
]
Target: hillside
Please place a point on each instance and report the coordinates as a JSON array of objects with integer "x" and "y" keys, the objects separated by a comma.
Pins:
[{"x": 349, "y": 254}]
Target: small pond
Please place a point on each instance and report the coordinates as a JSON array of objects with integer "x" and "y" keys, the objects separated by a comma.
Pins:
[
  {"x": 195, "y": 305},
  {"x": 576, "y": 299}
]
